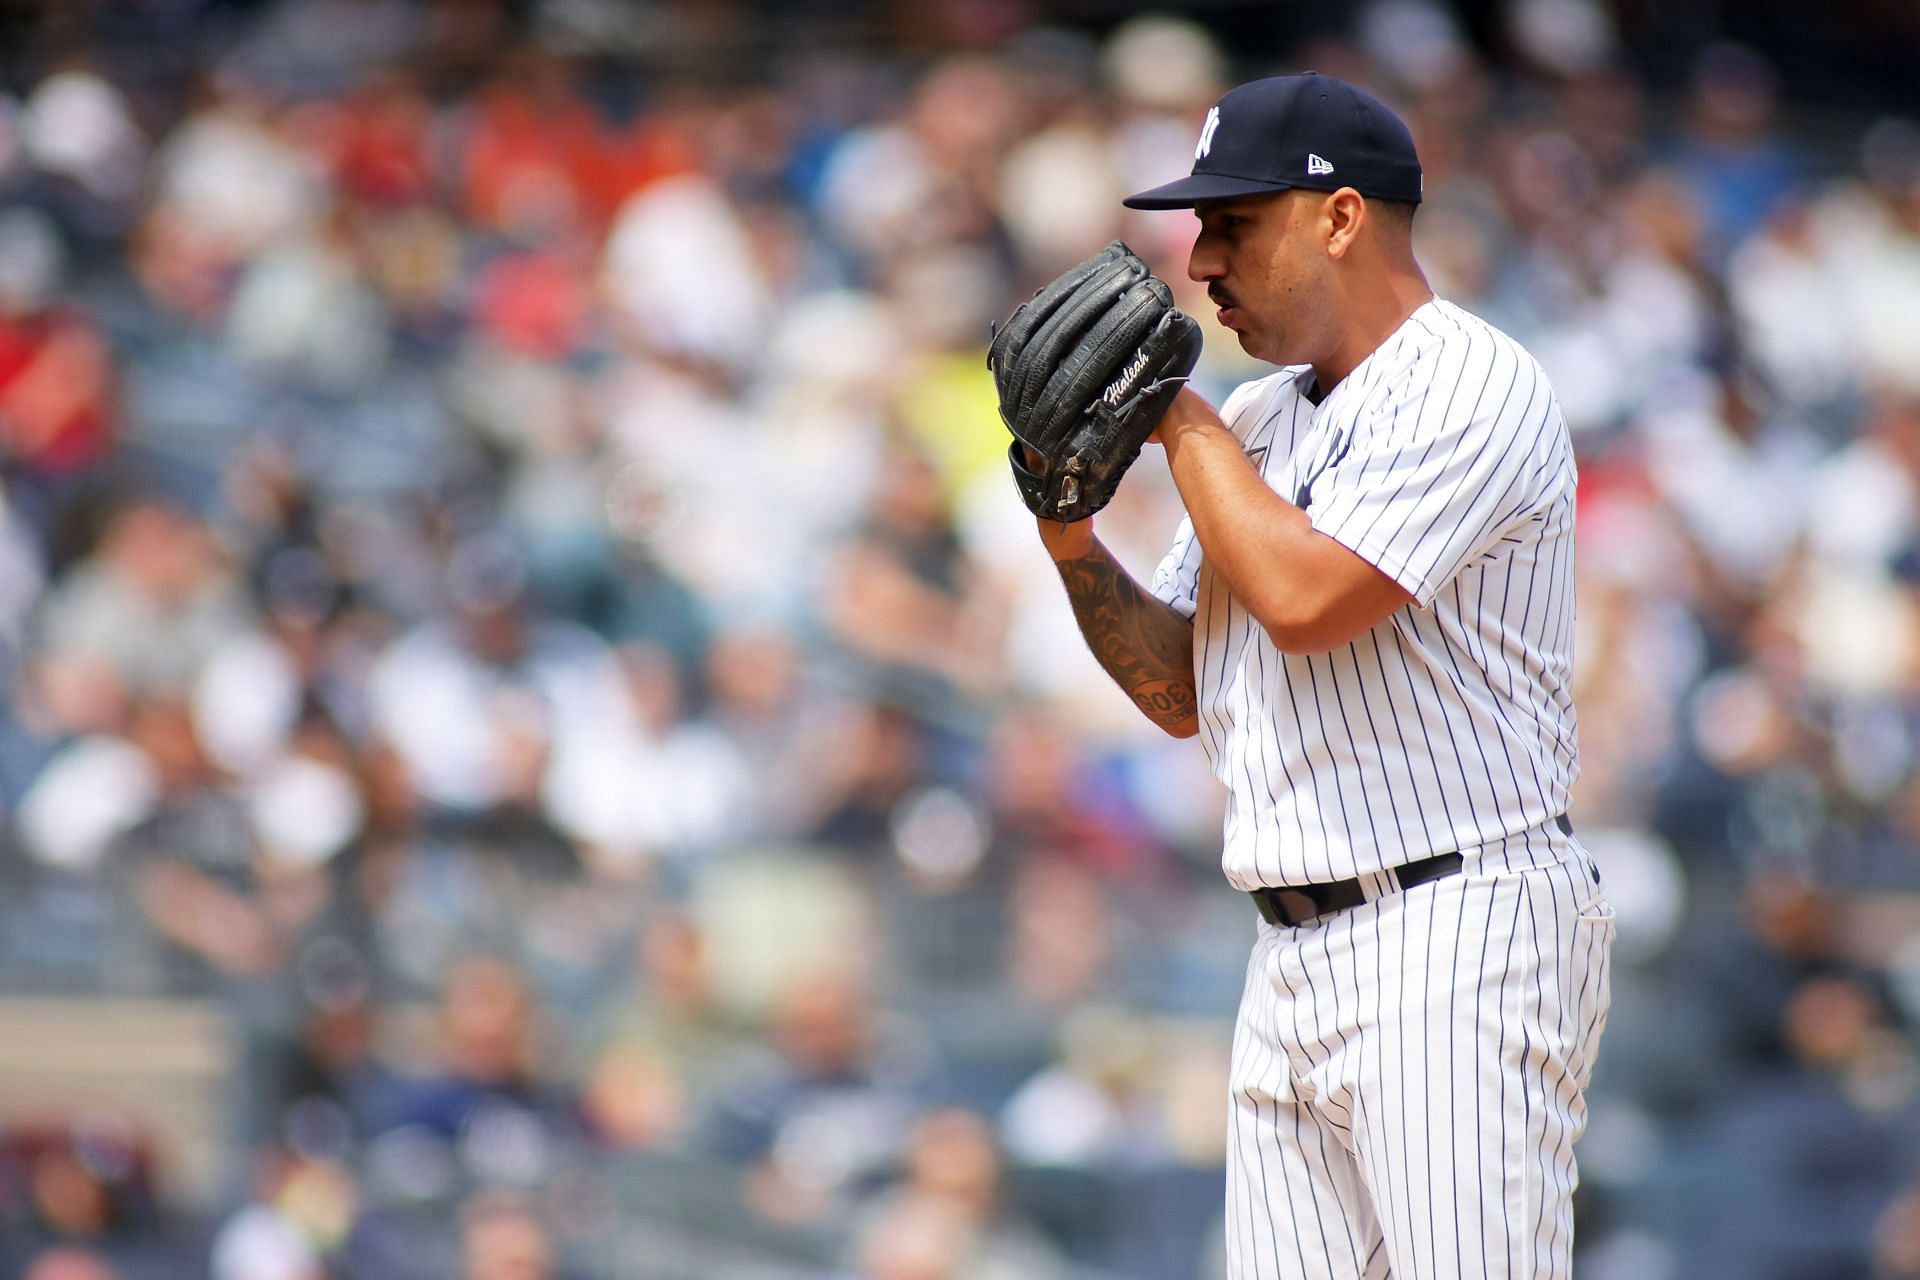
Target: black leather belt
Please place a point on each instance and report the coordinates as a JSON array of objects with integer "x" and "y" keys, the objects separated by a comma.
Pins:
[{"x": 1296, "y": 904}]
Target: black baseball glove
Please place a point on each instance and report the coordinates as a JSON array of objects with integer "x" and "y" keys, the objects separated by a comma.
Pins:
[{"x": 1085, "y": 369}]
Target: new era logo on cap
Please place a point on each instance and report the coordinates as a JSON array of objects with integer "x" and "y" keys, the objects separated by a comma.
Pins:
[{"x": 1279, "y": 124}]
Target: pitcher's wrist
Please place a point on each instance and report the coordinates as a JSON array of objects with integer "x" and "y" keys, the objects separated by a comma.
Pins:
[
  {"x": 1189, "y": 412},
  {"x": 1067, "y": 542}
]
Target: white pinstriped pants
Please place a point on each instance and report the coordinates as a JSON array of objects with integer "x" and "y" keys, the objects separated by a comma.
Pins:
[{"x": 1408, "y": 1076}]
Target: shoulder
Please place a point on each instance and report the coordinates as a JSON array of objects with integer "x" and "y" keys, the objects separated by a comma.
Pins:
[
  {"x": 1254, "y": 402},
  {"x": 1474, "y": 370},
  {"x": 1455, "y": 333}
]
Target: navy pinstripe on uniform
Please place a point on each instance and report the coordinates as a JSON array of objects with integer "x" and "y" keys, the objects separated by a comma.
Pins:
[
  {"x": 1443, "y": 460},
  {"x": 1408, "y": 1075}
]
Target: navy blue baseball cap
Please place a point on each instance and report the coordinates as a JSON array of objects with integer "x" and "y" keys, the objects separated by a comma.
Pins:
[{"x": 1309, "y": 131}]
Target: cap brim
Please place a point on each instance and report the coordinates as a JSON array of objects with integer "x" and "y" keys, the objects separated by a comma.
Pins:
[{"x": 1183, "y": 193}]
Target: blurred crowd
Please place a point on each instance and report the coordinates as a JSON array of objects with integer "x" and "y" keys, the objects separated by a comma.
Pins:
[{"x": 510, "y": 596}]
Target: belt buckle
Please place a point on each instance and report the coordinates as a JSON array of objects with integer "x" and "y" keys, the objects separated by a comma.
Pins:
[{"x": 1298, "y": 907}]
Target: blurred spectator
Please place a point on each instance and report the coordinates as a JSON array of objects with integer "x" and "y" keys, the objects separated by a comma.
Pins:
[
  {"x": 947, "y": 1217},
  {"x": 1896, "y": 1254},
  {"x": 925, "y": 179},
  {"x": 1731, "y": 149},
  {"x": 82, "y": 132},
  {"x": 82, "y": 1196},
  {"x": 234, "y": 174},
  {"x": 303, "y": 313},
  {"x": 479, "y": 707},
  {"x": 821, "y": 1113},
  {"x": 138, "y": 617},
  {"x": 1046, "y": 796},
  {"x": 1882, "y": 218},
  {"x": 682, "y": 272},
  {"x": 905, "y": 600},
  {"x": 760, "y": 702},
  {"x": 871, "y": 757},
  {"x": 68, "y": 1264},
  {"x": 56, "y": 374},
  {"x": 480, "y": 1083},
  {"x": 1092, "y": 1106},
  {"x": 302, "y": 1212},
  {"x": 665, "y": 1041},
  {"x": 501, "y": 1238},
  {"x": 669, "y": 785}
]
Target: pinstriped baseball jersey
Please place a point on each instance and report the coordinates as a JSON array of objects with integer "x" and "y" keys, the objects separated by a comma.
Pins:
[{"x": 1443, "y": 460}]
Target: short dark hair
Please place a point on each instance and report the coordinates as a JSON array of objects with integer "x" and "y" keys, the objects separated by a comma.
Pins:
[{"x": 1400, "y": 211}]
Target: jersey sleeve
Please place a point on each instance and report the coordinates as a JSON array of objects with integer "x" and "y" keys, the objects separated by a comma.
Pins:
[
  {"x": 1441, "y": 467},
  {"x": 1177, "y": 580}
]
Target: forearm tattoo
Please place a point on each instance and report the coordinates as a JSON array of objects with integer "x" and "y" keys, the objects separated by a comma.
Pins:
[{"x": 1143, "y": 644}]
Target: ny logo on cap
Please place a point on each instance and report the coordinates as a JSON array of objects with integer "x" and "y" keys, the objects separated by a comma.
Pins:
[
  {"x": 1316, "y": 166},
  {"x": 1206, "y": 133}
]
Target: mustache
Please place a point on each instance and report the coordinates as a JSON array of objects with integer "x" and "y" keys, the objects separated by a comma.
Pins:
[{"x": 1221, "y": 298}]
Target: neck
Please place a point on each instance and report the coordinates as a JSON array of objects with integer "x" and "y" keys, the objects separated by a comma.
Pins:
[{"x": 1375, "y": 313}]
